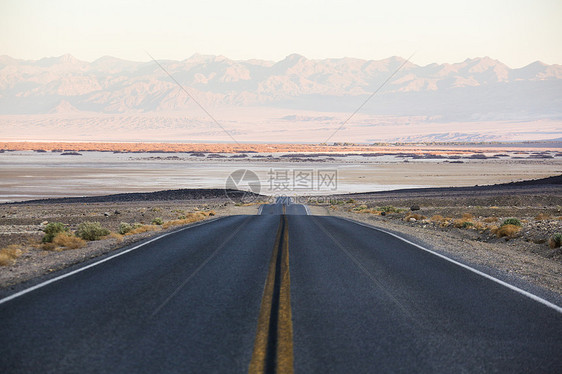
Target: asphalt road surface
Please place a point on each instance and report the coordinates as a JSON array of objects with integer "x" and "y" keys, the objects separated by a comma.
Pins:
[{"x": 275, "y": 292}]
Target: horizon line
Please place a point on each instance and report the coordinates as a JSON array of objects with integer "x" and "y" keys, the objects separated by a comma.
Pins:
[{"x": 201, "y": 55}]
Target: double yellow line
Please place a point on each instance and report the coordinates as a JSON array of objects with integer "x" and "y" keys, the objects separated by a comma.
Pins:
[{"x": 273, "y": 346}]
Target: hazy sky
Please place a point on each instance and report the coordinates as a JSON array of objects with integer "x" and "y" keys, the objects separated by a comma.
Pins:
[{"x": 516, "y": 32}]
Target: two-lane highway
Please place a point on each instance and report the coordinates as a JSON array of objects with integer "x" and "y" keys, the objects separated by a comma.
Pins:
[{"x": 279, "y": 291}]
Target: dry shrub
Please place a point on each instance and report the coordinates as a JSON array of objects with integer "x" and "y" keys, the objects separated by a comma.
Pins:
[
  {"x": 490, "y": 219},
  {"x": 390, "y": 209},
  {"x": 467, "y": 217},
  {"x": 417, "y": 217},
  {"x": 542, "y": 217},
  {"x": 157, "y": 221},
  {"x": 124, "y": 228},
  {"x": 437, "y": 218},
  {"x": 116, "y": 236},
  {"x": 189, "y": 218},
  {"x": 68, "y": 241},
  {"x": 144, "y": 228},
  {"x": 176, "y": 222},
  {"x": 91, "y": 231},
  {"x": 463, "y": 223},
  {"x": 555, "y": 241},
  {"x": 511, "y": 221},
  {"x": 370, "y": 211},
  {"x": 479, "y": 226},
  {"x": 508, "y": 231},
  {"x": 48, "y": 246},
  {"x": 52, "y": 229},
  {"x": 9, "y": 254}
]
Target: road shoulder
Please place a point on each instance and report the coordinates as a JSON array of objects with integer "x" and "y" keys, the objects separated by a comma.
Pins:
[{"x": 526, "y": 270}]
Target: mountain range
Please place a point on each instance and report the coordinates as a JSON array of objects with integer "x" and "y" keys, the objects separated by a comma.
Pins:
[{"x": 479, "y": 89}]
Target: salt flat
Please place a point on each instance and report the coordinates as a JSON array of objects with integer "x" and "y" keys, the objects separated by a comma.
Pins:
[{"x": 27, "y": 175}]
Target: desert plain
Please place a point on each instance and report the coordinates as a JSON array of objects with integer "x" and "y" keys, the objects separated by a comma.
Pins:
[{"x": 448, "y": 198}]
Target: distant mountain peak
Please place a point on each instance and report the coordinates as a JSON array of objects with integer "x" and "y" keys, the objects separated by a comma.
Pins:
[
  {"x": 7, "y": 60},
  {"x": 484, "y": 61},
  {"x": 199, "y": 58},
  {"x": 538, "y": 63},
  {"x": 294, "y": 58},
  {"x": 395, "y": 59},
  {"x": 66, "y": 59},
  {"x": 64, "y": 107}
]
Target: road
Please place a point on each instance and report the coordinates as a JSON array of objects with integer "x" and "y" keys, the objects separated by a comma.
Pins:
[{"x": 274, "y": 292}]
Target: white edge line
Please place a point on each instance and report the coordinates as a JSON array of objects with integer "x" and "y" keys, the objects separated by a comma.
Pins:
[
  {"x": 307, "y": 210},
  {"x": 510, "y": 286},
  {"x": 56, "y": 279},
  {"x": 260, "y": 209}
]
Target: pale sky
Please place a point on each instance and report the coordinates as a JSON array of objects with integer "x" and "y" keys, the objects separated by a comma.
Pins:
[{"x": 516, "y": 32}]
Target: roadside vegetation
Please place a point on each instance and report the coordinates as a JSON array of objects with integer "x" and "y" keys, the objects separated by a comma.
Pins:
[
  {"x": 555, "y": 241},
  {"x": 157, "y": 221},
  {"x": 53, "y": 229},
  {"x": 91, "y": 231},
  {"x": 58, "y": 236},
  {"x": 9, "y": 255},
  {"x": 537, "y": 228},
  {"x": 124, "y": 228},
  {"x": 66, "y": 240}
]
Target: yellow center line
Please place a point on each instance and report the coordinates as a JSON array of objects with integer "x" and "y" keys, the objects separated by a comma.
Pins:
[{"x": 273, "y": 346}]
